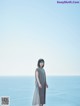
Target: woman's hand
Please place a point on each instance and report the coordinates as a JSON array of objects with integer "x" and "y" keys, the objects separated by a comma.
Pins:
[{"x": 40, "y": 85}]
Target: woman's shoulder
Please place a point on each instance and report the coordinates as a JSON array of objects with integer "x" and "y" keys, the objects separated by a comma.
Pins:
[{"x": 37, "y": 69}]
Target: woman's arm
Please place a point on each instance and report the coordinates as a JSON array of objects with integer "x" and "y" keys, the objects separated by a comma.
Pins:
[
  {"x": 38, "y": 79},
  {"x": 46, "y": 82}
]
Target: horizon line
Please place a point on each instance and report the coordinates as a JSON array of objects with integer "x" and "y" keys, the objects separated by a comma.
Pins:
[{"x": 33, "y": 75}]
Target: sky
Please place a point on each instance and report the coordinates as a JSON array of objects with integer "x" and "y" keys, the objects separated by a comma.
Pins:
[{"x": 34, "y": 29}]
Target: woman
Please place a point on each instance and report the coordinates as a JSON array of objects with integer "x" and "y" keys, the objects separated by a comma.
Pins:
[{"x": 39, "y": 97}]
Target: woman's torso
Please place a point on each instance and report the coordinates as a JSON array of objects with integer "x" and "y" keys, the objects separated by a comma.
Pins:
[{"x": 41, "y": 76}]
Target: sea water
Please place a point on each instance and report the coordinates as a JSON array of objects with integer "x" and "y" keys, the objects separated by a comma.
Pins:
[{"x": 61, "y": 91}]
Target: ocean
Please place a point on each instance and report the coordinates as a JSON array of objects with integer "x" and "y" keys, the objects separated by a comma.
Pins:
[{"x": 61, "y": 91}]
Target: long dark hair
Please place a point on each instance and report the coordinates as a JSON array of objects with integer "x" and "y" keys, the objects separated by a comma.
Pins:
[{"x": 40, "y": 60}]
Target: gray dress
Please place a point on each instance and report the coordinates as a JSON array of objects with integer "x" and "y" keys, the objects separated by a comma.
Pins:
[{"x": 39, "y": 96}]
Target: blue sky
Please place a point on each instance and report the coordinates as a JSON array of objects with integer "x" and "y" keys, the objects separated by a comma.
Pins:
[{"x": 30, "y": 30}]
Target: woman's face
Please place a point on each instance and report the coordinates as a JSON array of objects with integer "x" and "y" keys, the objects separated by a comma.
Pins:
[{"x": 41, "y": 64}]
